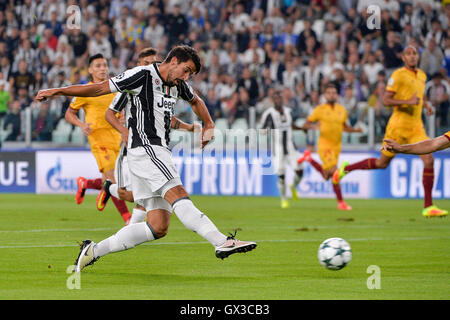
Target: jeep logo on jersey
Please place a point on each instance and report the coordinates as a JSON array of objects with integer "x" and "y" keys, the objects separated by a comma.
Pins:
[{"x": 168, "y": 104}]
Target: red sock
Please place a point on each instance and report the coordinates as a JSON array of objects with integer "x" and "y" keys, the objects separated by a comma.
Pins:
[
  {"x": 428, "y": 180},
  {"x": 367, "y": 164},
  {"x": 122, "y": 208},
  {"x": 94, "y": 184},
  {"x": 337, "y": 191},
  {"x": 317, "y": 166}
]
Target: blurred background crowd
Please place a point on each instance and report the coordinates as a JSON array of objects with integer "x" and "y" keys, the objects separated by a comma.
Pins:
[{"x": 248, "y": 48}]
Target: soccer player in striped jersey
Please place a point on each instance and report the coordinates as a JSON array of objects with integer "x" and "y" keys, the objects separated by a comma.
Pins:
[
  {"x": 155, "y": 90},
  {"x": 278, "y": 119},
  {"x": 405, "y": 93},
  {"x": 122, "y": 188},
  {"x": 103, "y": 138}
]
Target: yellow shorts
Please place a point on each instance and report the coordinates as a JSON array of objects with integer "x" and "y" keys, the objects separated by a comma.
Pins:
[
  {"x": 105, "y": 146},
  {"x": 329, "y": 155},
  {"x": 404, "y": 135}
]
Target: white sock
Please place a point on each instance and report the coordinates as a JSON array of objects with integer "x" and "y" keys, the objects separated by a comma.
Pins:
[
  {"x": 138, "y": 215},
  {"x": 126, "y": 238},
  {"x": 281, "y": 187},
  {"x": 114, "y": 190},
  {"x": 195, "y": 220}
]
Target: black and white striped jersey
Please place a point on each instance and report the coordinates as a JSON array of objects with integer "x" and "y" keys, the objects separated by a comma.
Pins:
[
  {"x": 149, "y": 104},
  {"x": 280, "y": 124}
]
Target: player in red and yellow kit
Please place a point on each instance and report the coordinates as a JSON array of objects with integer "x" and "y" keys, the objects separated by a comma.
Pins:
[
  {"x": 405, "y": 93},
  {"x": 332, "y": 117},
  {"x": 103, "y": 138},
  {"x": 423, "y": 147}
]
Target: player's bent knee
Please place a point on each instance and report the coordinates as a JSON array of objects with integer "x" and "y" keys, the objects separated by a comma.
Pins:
[{"x": 158, "y": 230}]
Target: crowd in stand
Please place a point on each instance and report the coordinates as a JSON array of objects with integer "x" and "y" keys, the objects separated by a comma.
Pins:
[{"x": 248, "y": 48}]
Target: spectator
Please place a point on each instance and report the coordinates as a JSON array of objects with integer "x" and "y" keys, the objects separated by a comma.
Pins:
[
  {"x": 23, "y": 98},
  {"x": 276, "y": 67},
  {"x": 330, "y": 34},
  {"x": 27, "y": 53},
  {"x": 291, "y": 77},
  {"x": 42, "y": 124},
  {"x": 371, "y": 69},
  {"x": 78, "y": 41},
  {"x": 311, "y": 76},
  {"x": 388, "y": 23},
  {"x": 392, "y": 52},
  {"x": 4, "y": 98},
  {"x": 250, "y": 84},
  {"x": 437, "y": 91},
  {"x": 253, "y": 50},
  {"x": 154, "y": 32},
  {"x": 334, "y": 15},
  {"x": 382, "y": 113},
  {"x": 276, "y": 20},
  {"x": 54, "y": 25},
  {"x": 213, "y": 104},
  {"x": 20, "y": 79},
  {"x": 243, "y": 105},
  {"x": 13, "y": 119},
  {"x": 431, "y": 59},
  {"x": 350, "y": 102},
  {"x": 134, "y": 33},
  {"x": 306, "y": 33},
  {"x": 99, "y": 44},
  {"x": 287, "y": 37},
  {"x": 177, "y": 26}
]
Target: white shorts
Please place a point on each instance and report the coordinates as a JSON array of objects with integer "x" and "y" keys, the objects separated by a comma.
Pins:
[
  {"x": 157, "y": 202},
  {"x": 122, "y": 172},
  {"x": 152, "y": 172},
  {"x": 281, "y": 161}
]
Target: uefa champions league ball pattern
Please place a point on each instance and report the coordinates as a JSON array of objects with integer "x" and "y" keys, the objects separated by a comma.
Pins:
[{"x": 334, "y": 253}]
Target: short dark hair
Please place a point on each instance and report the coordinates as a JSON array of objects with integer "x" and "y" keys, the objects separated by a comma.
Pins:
[
  {"x": 184, "y": 53},
  {"x": 330, "y": 85},
  {"x": 95, "y": 57},
  {"x": 147, "y": 52}
]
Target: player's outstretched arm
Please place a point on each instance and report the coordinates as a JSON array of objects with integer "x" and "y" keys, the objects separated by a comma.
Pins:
[
  {"x": 423, "y": 147},
  {"x": 78, "y": 90},
  {"x": 200, "y": 109}
]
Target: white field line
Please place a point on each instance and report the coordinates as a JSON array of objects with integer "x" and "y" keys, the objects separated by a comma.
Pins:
[
  {"x": 257, "y": 241},
  {"x": 262, "y": 228}
]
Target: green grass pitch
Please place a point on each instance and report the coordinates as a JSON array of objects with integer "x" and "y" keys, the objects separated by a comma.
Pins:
[{"x": 39, "y": 234}]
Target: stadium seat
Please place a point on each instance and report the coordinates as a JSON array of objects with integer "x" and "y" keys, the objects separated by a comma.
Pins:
[
  {"x": 240, "y": 123},
  {"x": 4, "y": 132},
  {"x": 345, "y": 137},
  {"x": 299, "y": 138},
  {"x": 77, "y": 136},
  {"x": 236, "y": 137},
  {"x": 62, "y": 132},
  {"x": 221, "y": 124}
]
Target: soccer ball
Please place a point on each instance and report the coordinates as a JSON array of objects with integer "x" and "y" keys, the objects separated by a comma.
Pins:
[{"x": 334, "y": 253}]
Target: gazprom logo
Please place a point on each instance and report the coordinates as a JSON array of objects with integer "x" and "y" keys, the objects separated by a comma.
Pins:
[{"x": 56, "y": 182}]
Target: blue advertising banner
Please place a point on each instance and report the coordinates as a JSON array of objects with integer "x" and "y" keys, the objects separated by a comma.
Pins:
[
  {"x": 403, "y": 178},
  {"x": 17, "y": 172},
  {"x": 236, "y": 173}
]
